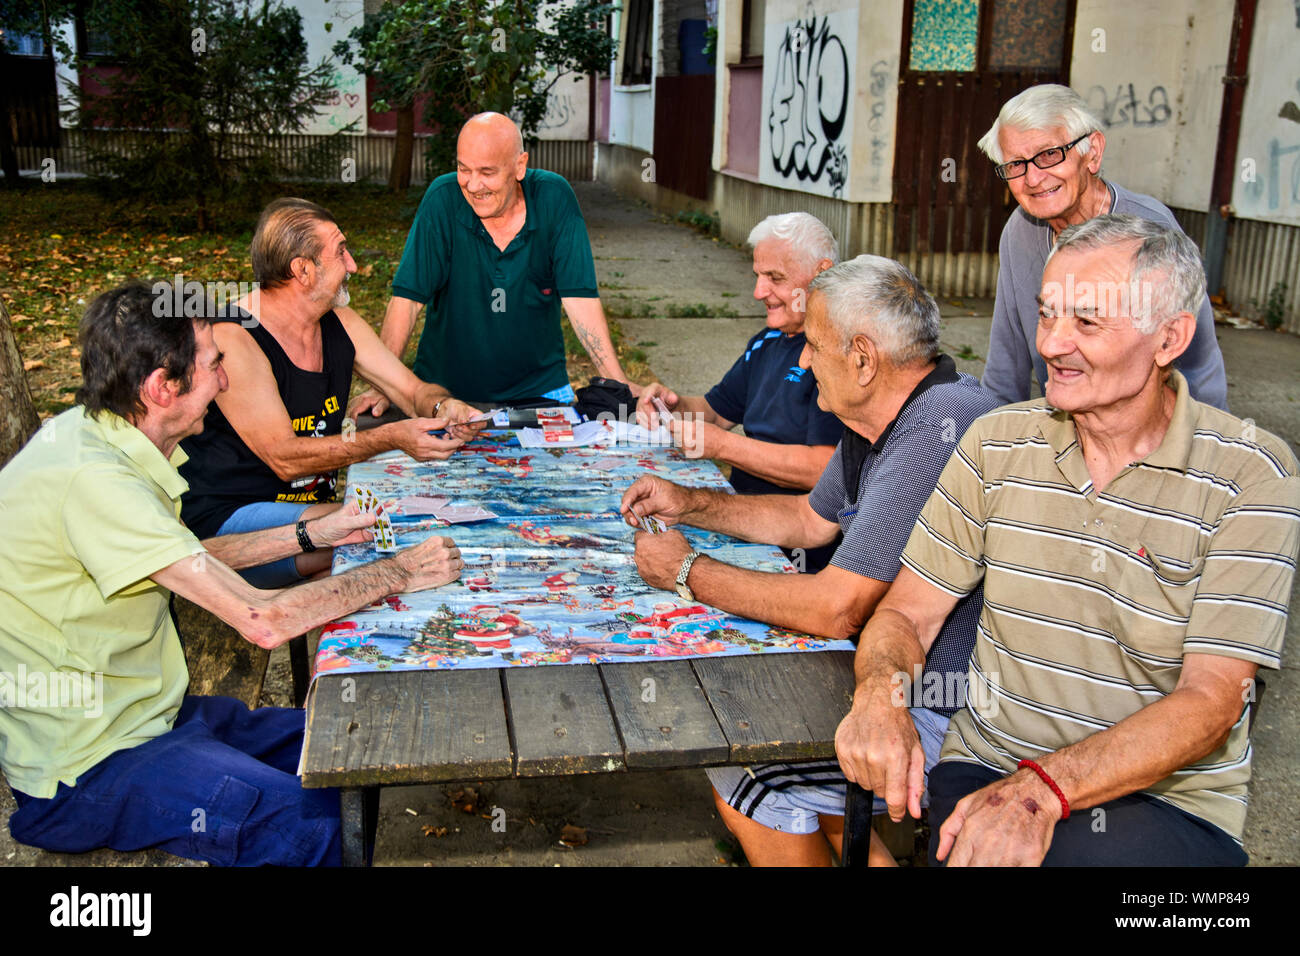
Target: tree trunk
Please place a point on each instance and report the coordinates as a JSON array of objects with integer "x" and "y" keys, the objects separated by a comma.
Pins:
[
  {"x": 399, "y": 177},
  {"x": 18, "y": 418}
]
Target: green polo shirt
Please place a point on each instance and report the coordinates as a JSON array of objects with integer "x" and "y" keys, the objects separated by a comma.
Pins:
[
  {"x": 492, "y": 323},
  {"x": 90, "y": 662}
]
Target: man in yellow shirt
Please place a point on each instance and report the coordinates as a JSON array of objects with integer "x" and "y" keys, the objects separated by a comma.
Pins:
[{"x": 98, "y": 740}]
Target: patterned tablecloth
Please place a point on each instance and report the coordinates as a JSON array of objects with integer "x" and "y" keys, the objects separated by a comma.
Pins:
[{"x": 551, "y": 578}]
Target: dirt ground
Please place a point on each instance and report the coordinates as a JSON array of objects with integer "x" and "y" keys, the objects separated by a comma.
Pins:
[{"x": 685, "y": 300}]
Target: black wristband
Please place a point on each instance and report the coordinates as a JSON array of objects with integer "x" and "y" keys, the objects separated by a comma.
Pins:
[{"x": 303, "y": 541}]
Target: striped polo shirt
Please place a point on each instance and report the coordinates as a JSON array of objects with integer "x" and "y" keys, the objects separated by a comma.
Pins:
[{"x": 1092, "y": 599}]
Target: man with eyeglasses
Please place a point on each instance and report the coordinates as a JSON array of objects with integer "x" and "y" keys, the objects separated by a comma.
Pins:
[{"x": 1048, "y": 146}]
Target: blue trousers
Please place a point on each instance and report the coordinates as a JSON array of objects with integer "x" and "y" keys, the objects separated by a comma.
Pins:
[
  {"x": 221, "y": 786},
  {"x": 1133, "y": 830}
]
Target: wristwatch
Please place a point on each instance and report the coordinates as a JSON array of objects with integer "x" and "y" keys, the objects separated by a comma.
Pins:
[{"x": 682, "y": 590}]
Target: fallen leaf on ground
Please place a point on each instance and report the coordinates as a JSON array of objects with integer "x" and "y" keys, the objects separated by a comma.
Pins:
[
  {"x": 32, "y": 365},
  {"x": 573, "y": 836},
  {"x": 430, "y": 830},
  {"x": 61, "y": 344}
]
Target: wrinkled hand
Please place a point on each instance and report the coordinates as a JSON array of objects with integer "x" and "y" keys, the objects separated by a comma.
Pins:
[
  {"x": 659, "y": 557},
  {"x": 430, "y": 564},
  {"x": 1008, "y": 823},
  {"x": 698, "y": 438},
  {"x": 371, "y": 400},
  {"x": 456, "y": 413},
  {"x": 649, "y": 495},
  {"x": 647, "y": 416},
  {"x": 344, "y": 525},
  {"x": 879, "y": 749},
  {"x": 412, "y": 436}
]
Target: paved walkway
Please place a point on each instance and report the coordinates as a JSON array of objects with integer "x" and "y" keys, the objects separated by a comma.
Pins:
[{"x": 649, "y": 269}]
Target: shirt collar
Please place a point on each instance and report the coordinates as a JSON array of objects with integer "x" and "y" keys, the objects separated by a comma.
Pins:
[
  {"x": 1174, "y": 449},
  {"x": 133, "y": 443},
  {"x": 855, "y": 448}
]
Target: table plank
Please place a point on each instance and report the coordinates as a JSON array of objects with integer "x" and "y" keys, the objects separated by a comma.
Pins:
[
  {"x": 560, "y": 721},
  {"x": 663, "y": 716},
  {"x": 406, "y": 727},
  {"x": 779, "y": 706}
]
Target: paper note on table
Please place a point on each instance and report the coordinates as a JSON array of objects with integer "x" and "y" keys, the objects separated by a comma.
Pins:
[
  {"x": 419, "y": 504},
  {"x": 586, "y": 433},
  {"x": 458, "y": 514}
]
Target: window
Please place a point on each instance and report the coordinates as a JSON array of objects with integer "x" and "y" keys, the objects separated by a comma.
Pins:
[
  {"x": 752, "y": 23},
  {"x": 638, "y": 58}
]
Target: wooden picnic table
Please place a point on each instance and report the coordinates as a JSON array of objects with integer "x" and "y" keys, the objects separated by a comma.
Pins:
[{"x": 411, "y": 727}]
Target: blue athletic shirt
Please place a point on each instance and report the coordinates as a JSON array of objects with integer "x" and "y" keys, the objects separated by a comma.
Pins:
[{"x": 775, "y": 400}]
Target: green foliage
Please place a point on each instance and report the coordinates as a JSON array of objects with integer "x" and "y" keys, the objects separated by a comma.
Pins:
[
  {"x": 473, "y": 56},
  {"x": 220, "y": 76},
  {"x": 701, "y": 311},
  {"x": 697, "y": 219},
  {"x": 1275, "y": 306},
  {"x": 967, "y": 353}
]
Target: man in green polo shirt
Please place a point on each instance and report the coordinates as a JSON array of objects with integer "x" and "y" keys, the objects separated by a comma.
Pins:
[
  {"x": 1136, "y": 548},
  {"x": 494, "y": 251},
  {"x": 98, "y": 739}
]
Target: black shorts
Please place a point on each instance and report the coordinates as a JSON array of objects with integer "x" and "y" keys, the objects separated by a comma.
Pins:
[{"x": 1135, "y": 830}]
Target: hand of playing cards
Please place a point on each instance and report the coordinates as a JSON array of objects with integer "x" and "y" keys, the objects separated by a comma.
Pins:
[{"x": 385, "y": 540}]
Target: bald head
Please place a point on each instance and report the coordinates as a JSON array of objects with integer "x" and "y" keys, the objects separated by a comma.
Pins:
[
  {"x": 492, "y": 131},
  {"x": 490, "y": 166}
]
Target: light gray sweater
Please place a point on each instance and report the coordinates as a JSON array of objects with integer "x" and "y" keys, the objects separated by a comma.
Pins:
[{"x": 1013, "y": 355}]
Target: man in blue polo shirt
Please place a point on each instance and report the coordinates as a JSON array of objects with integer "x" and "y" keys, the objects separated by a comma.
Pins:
[
  {"x": 494, "y": 251},
  {"x": 787, "y": 439}
]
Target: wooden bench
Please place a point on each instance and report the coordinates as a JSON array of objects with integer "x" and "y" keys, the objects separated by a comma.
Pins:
[{"x": 223, "y": 664}]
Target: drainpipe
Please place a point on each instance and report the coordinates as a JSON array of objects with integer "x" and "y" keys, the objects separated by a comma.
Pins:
[{"x": 1225, "y": 157}]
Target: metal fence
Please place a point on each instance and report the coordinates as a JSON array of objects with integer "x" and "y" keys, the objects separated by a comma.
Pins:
[{"x": 369, "y": 157}]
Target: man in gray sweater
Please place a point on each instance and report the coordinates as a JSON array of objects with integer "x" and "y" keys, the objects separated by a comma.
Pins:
[{"x": 1048, "y": 146}]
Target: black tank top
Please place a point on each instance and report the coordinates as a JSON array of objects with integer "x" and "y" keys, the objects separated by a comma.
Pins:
[{"x": 224, "y": 475}]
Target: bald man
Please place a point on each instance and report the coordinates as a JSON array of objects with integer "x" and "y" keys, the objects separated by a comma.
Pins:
[{"x": 494, "y": 251}]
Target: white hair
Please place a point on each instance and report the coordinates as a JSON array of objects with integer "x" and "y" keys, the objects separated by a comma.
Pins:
[
  {"x": 881, "y": 299},
  {"x": 809, "y": 239},
  {"x": 1042, "y": 107},
  {"x": 1167, "y": 275}
]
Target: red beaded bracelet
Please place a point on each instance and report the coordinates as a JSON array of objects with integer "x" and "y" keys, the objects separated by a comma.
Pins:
[{"x": 1065, "y": 804}]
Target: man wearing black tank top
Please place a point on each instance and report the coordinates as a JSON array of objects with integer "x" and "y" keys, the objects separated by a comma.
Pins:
[{"x": 270, "y": 452}]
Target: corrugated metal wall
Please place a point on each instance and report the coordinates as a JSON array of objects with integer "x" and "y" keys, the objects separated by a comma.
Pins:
[
  {"x": 1259, "y": 256},
  {"x": 371, "y": 155}
]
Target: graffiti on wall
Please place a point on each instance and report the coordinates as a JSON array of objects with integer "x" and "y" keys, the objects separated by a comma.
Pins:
[
  {"x": 809, "y": 102},
  {"x": 1125, "y": 107}
]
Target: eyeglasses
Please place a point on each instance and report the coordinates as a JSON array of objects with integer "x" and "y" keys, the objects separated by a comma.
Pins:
[{"x": 1053, "y": 156}]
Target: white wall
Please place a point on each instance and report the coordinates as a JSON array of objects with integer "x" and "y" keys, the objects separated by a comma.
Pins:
[
  {"x": 1268, "y": 152},
  {"x": 349, "y": 102},
  {"x": 855, "y": 44},
  {"x": 1152, "y": 70}
]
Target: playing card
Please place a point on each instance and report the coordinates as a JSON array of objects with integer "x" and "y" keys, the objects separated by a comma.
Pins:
[{"x": 384, "y": 538}]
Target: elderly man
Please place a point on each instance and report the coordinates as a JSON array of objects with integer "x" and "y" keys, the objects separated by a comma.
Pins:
[
  {"x": 274, "y": 441},
  {"x": 1136, "y": 549},
  {"x": 787, "y": 438},
  {"x": 872, "y": 339},
  {"x": 112, "y": 752},
  {"x": 1048, "y": 145},
  {"x": 495, "y": 249}
]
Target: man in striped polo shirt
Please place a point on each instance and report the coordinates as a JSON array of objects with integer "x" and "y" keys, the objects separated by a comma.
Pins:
[{"x": 1136, "y": 549}]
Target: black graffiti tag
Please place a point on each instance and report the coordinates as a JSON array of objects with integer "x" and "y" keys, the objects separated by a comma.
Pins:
[{"x": 810, "y": 100}]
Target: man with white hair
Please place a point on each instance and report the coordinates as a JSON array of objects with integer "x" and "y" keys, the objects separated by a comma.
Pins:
[
  {"x": 872, "y": 338},
  {"x": 1136, "y": 549},
  {"x": 787, "y": 439},
  {"x": 1047, "y": 146},
  {"x": 494, "y": 251}
]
